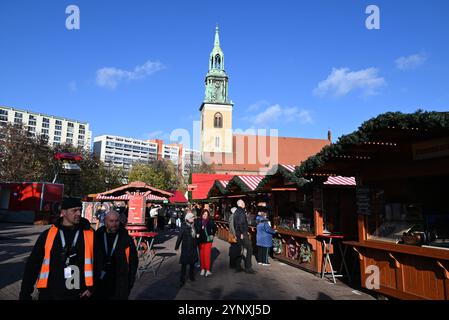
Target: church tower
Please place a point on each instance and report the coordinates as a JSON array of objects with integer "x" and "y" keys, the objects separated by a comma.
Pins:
[{"x": 216, "y": 110}]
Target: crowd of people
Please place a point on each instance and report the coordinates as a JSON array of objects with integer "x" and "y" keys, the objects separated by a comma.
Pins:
[
  {"x": 197, "y": 235},
  {"x": 105, "y": 261}
]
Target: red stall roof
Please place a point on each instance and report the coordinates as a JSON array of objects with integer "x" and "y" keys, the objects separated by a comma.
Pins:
[
  {"x": 150, "y": 197},
  {"x": 202, "y": 182},
  {"x": 224, "y": 183},
  {"x": 341, "y": 181},
  {"x": 178, "y": 197},
  {"x": 289, "y": 167}
]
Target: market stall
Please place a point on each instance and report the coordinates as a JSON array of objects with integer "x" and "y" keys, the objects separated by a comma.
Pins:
[
  {"x": 239, "y": 187},
  {"x": 302, "y": 211},
  {"x": 400, "y": 161},
  {"x": 136, "y": 195}
]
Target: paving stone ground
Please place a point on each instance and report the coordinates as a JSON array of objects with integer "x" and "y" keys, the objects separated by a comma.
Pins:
[{"x": 275, "y": 282}]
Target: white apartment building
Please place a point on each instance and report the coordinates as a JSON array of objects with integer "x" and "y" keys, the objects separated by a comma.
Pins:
[
  {"x": 58, "y": 130},
  {"x": 123, "y": 152},
  {"x": 190, "y": 159},
  {"x": 171, "y": 152}
]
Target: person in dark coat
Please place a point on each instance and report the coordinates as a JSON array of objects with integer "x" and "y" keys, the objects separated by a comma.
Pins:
[
  {"x": 264, "y": 238},
  {"x": 73, "y": 238},
  {"x": 234, "y": 248},
  {"x": 205, "y": 231},
  {"x": 187, "y": 236},
  {"x": 116, "y": 260},
  {"x": 161, "y": 218},
  {"x": 242, "y": 234},
  {"x": 149, "y": 221}
]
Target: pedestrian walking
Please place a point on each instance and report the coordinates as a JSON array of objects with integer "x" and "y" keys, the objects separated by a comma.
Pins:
[
  {"x": 187, "y": 237},
  {"x": 243, "y": 237},
  {"x": 235, "y": 247},
  {"x": 205, "y": 229},
  {"x": 154, "y": 215},
  {"x": 264, "y": 238},
  {"x": 116, "y": 260},
  {"x": 61, "y": 260}
]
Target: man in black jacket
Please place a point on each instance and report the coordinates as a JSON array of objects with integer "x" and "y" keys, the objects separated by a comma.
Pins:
[
  {"x": 242, "y": 234},
  {"x": 61, "y": 260},
  {"x": 116, "y": 260}
]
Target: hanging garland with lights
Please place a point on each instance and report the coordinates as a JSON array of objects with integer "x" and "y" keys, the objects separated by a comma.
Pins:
[{"x": 420, "y": 120}]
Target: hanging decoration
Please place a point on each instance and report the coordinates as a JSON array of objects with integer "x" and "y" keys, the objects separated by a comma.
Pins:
[
  {"x": 305, "y": 252},
  {"x": 277, "y": 246}
]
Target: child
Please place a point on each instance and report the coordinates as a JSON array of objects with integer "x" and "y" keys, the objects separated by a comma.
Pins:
[
  {"x": 264, "y": 238},
  {"x": 187, "y": 236}
]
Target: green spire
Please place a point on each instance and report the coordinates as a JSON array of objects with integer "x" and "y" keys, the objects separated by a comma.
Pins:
[
  {"x": 216, "y": 78},
  {"x": 217, "y": 37},
  {"x": 217, "y": 55}
]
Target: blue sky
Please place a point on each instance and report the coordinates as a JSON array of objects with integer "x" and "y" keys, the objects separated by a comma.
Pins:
[{"x": 302, "y": 67}]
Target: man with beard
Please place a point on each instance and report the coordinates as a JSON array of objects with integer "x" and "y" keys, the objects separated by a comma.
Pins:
[{"x": 116, "y": 260}]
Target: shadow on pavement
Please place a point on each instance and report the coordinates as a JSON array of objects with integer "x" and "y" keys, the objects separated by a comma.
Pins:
[
  {"x": 10, "y": 273},
  {"x": 160, "y": 258},
  {"x": 163, "y": 289},
  {"x": 213, "y": 257}
]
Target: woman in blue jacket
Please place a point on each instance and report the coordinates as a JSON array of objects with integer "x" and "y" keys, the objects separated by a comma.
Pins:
[{"x": 264, "y": 238}]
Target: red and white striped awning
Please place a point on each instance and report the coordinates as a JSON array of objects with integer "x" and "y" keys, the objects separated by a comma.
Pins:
[
  {"x": 224, "y": 183},
  {"x": 251, "y": 181},
  {"x": 123, "y": 197},
  {"x": 341, "y": 181},
  {"x": 289, "y": 167}
]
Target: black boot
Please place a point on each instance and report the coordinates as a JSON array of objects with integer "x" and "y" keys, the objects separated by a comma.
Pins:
[{"x": 183, "y": 280}]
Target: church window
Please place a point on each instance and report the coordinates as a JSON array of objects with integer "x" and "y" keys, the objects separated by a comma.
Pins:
[
  {"x": 217, "y": 62},
  {"x": 217, "y": 142},
  {"x": 218, "y": 120}
]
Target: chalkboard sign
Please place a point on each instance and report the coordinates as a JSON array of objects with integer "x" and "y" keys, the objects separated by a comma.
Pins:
[{"x": 363, "y": 196}]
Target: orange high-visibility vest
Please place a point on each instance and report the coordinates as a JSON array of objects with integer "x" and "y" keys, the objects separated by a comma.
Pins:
[
  {"x": 127, "y": 255},
  {"x": 88, "y": 258}
]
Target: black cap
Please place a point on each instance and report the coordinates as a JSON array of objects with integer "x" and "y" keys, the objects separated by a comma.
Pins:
[{"x": 70, "y": 202}]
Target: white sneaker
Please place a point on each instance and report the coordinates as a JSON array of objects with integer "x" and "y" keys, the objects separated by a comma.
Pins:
[
  {"x": 259, "y": 262},
  {"x": 202, "y": 272},
  {"x": 208, "y": 273}
]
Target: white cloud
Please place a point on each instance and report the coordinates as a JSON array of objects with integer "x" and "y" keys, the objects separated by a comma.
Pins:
[
  {"x": 270, "y": 114},
  {"x": 304, "y": 116},
  {"x": 411, "y": 62},
  {"x": 342, "y": 81},
  {"x": 258, "y": 105},
  {"x": 285, "y": 114},
  {"x": 110, "y": 77}
]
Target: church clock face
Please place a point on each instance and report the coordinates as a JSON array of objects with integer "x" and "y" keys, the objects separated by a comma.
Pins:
[{"x": 217, "y": 92}]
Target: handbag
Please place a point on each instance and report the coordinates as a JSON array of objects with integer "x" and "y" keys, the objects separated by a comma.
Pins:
[
  {"x": 232, "y": 238},
  {"x": 210, "y": 238}
]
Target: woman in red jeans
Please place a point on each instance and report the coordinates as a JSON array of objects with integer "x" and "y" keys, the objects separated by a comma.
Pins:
[{"x": 205, "y": 228}]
